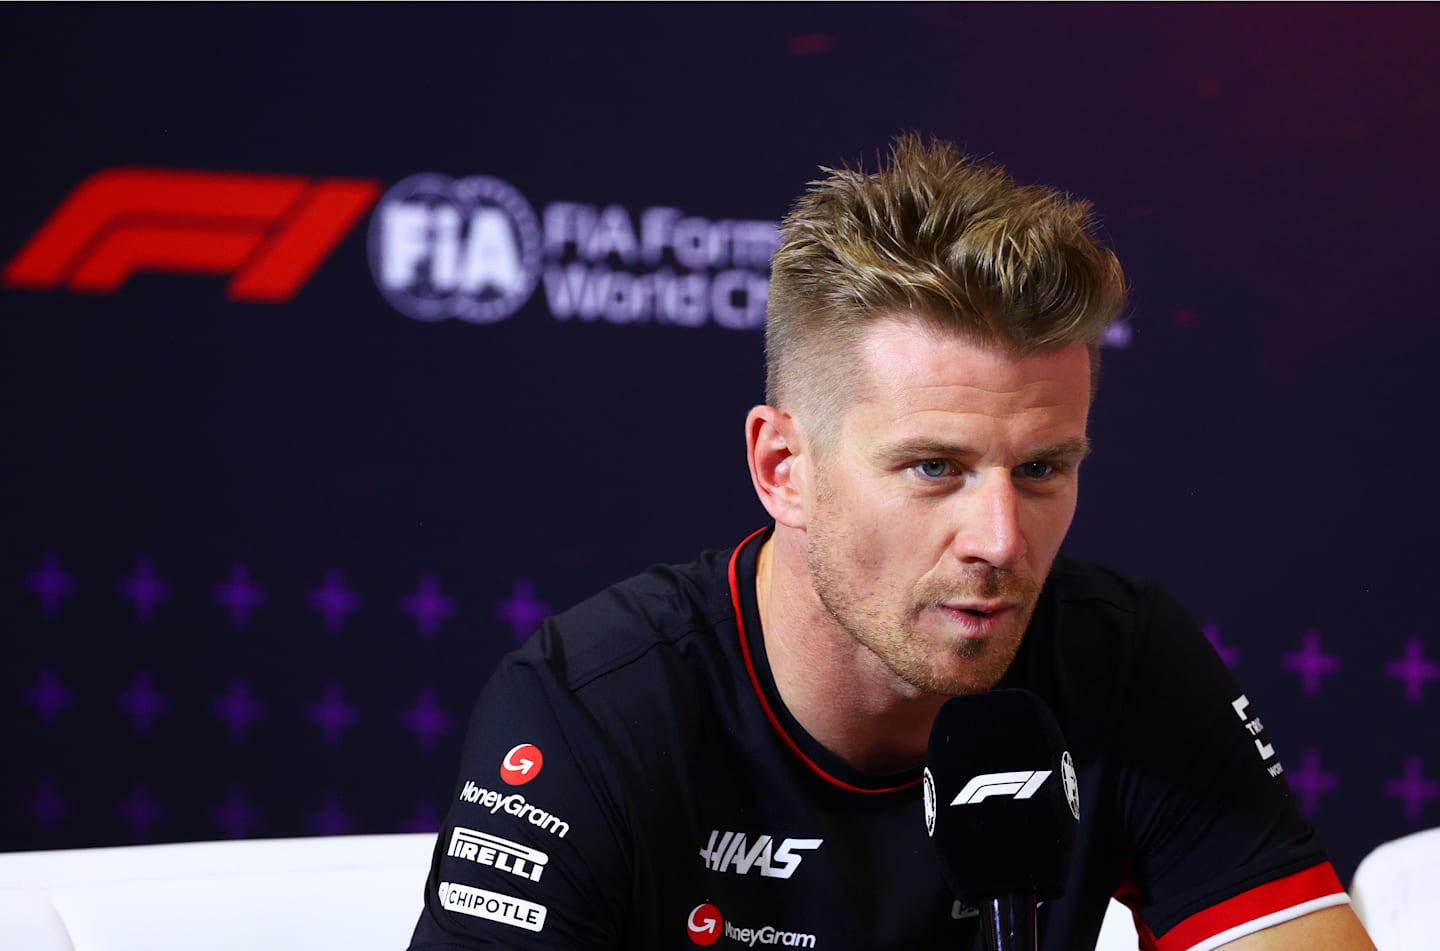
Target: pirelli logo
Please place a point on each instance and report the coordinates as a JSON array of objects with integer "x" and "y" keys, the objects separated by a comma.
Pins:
[{"x": 485, "y": 849}]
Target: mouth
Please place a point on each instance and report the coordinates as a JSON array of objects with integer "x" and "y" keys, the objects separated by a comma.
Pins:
[
  {"x": 988, "y": 609},
  {"x": 977, "y": 619}
]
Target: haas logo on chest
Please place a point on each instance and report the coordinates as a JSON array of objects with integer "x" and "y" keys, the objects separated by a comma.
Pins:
[{"x": 734, "y": 852}]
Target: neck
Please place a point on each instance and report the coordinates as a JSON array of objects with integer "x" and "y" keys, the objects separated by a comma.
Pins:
[{"x": 837, "y": 689}]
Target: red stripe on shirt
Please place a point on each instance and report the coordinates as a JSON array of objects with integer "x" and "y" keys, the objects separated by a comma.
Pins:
[{"x": 1316, "y": 882}]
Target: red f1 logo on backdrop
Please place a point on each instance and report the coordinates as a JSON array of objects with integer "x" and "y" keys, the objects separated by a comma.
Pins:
[{"x": 270, "y": 232}]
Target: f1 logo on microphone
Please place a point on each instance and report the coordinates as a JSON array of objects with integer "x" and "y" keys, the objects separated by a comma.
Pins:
[
  {"x": 521, "y": 764},
  {"x": 705, "y": 924},
  {"x": 1021, "y": 784}
]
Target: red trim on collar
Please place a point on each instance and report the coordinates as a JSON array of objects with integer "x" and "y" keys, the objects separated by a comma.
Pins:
[{"x": 760, "y": 694}]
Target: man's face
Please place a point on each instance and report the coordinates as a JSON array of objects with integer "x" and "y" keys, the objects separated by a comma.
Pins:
[{"x": 939, "y": 508}]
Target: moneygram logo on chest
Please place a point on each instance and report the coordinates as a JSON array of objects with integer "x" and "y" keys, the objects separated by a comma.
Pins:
[
  {"x": 706, "y": 925},
  {"x": 475, "y": 249}
]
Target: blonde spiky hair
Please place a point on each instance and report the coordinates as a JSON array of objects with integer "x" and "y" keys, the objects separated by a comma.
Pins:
[{"x": 940, "y": 237}]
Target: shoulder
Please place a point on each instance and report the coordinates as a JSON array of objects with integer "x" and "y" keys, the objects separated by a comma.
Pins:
[
  {"x": 1105, "y": 647},
  {"x": 1095, "y": 608},
  {"x": 1076, "y": 581},
  {"x": 1086, "y": 596},
  {"x": 659, "y": 623}
]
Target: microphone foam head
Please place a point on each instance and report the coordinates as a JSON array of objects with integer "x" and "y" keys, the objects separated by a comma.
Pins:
[{"x": 1002, "y": 804}]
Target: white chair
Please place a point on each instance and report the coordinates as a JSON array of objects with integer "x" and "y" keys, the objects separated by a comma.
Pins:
[
  {"x": 360, "y": 893},
  {"x": 1396, "y": 892},
  {"x": 1117, "y": 931}
]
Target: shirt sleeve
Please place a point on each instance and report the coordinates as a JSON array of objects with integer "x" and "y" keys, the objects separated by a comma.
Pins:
[
  {"x": 531, "y": 855},
  {"x": 1219, "y": 849}
]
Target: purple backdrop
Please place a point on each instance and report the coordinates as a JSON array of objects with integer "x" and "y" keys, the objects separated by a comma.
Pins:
[{"x": 342, "y": 343}]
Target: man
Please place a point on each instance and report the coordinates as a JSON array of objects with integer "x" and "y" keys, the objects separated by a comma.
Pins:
[{"x": 730, "y": 751}]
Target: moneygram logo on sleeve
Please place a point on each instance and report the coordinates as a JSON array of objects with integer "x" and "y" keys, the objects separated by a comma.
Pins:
[
  {"x": 521, "y": 764},
  {"x": 513, "y": 805},
  {"x": 706, "y": 925},
  {"x": 485, "y": 849},
  {"x": 474, "y": 249},
  {"x": 492, "y": 906}
]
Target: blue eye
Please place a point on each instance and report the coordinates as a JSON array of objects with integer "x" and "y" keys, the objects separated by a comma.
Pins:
[
  {"x": 1036, "y": 470},
  {"x": 934, "y": 468}
]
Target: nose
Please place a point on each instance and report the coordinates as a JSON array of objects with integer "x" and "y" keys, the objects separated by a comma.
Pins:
[{"x": 989, "y": 530}]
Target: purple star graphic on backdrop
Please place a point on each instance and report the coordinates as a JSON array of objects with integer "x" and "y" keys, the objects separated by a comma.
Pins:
[
  {"x": 1312, "y": 781},
  {"x": 1311, "y": 663},
  {"x": 45, "y": 805},
  {"x": 238, "y": 709},
  {"x": 334, "y": 601},
  {"x": 522, "y": 610},
  {"x": 331, "y": 819},
  {"x": 240, "y": 595},
  {"x": 1413, "y": 788},
  {"x": 235, "y": 816},
  {"x": 141, "y": 812},
  {"x": 426, "y": 720},
  {"x": 1118, "y": 335},
  {"x": 428, "y": 606},
  {"x": 333, "y": 714},
  {"x": 49, "y": 696},
  {"x": 142, "y": 702},
  {"x": 1413, "y": 669},
  {"x": 51, "y": 583},
  {"x": 423, "y": 819},
  {"x": 144, "y": 589},
  {"x": 1230, "y": 655}
]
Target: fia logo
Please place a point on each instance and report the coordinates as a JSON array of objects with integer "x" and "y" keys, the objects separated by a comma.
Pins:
[
  {"x": 705, "y": 925},
  {"x": 521, "y": 764},
  {"x": 468, "y": 248}
]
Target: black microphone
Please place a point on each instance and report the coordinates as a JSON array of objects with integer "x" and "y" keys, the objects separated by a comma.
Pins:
[{"x": 1002, "y": 806}]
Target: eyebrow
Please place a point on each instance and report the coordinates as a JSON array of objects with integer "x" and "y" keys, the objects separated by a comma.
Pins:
[{"x": 921, "y": 448}]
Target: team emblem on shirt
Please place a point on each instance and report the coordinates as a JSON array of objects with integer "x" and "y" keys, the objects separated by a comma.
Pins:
[{"x": 734, "y": 852}]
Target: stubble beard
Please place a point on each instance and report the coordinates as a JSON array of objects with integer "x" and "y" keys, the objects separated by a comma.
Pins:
[{"x": 898, "y": 643}]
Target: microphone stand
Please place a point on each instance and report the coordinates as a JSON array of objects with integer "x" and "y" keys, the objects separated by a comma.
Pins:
[{"x": 1010, "y": 923}]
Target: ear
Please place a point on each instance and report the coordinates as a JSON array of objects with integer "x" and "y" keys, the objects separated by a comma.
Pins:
[{"x": 772, "y": 443}]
